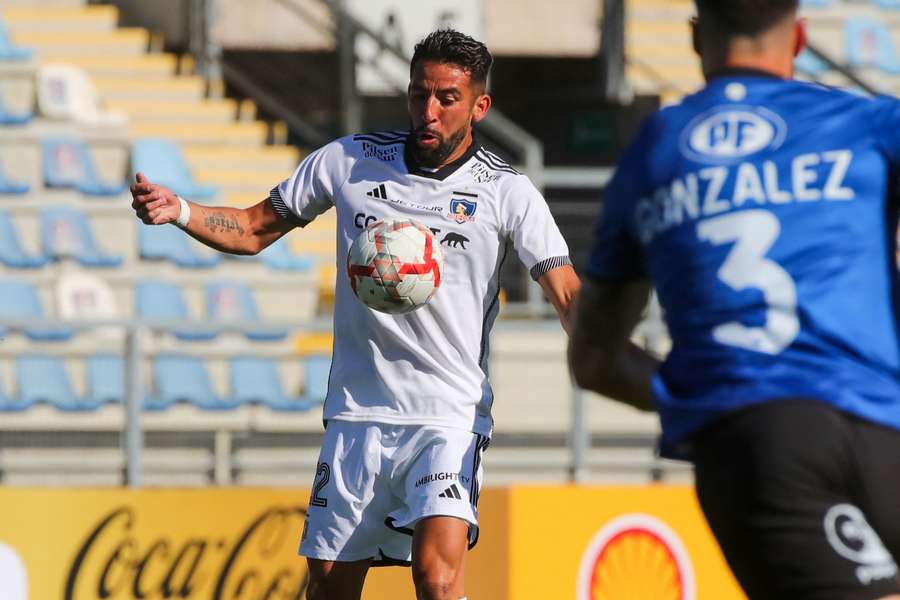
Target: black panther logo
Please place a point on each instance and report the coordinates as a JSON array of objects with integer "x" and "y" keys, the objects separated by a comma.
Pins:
[{"x": 454, "y": 240}]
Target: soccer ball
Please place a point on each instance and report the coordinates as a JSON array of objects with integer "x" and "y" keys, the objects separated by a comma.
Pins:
[{"x": 395, "y": 266}]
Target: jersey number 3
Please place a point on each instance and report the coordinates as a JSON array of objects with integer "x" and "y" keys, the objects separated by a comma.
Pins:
[{"x": 746, "y": 266}]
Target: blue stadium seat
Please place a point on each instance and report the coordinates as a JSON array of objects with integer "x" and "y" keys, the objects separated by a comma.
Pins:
[
  {"x": 888, "y": 4},
  {"x": 233, "y": 301},
  {"x": 66, "y": 233},
  {"x": 255, "y": 380},
  {"x": 180, "y": 378},
  {"x": 44, "y": 379},
  {"x": 11, "y": 252},
  {"x": 8, "y": 51},
  {"x": 164, "y": 300},
  {"x": 162, "y": 162},
  {"x": 21, "y": 301},
  {"x": 106, "y": 379},
  {"x": 869, "y": 43},
  {"x": 817, "y": 3},
  {"x": 11, "y": 118},
  {"x": 278, "y": 256},
  {"x": 166, "y": 242},
  {"x": 810, "y": 65},
  {"x": 316, "y": 371},
  {"x": 68, "y": 164}
]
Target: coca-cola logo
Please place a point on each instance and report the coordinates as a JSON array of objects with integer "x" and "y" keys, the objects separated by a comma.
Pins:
[{"x": 261, "y": 563}]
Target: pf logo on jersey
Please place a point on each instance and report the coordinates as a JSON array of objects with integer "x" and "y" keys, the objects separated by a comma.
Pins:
[
  {"x": 462, "y": 210},
  {"x": 728, "y": 133}
]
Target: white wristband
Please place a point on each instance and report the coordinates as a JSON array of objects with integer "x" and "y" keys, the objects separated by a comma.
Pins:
[{"x": 184, "y": 217}]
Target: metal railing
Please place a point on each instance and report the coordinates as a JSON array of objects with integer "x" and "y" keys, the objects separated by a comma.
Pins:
[{"x": 578, "y": 439}]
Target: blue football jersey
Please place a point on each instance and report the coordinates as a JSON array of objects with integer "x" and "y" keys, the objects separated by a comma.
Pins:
[{"x": 764, "y": 213}]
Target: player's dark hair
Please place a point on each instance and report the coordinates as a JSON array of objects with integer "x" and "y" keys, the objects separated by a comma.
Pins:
[
  {"x": 449, "y": 46},
  {"x": 745, "y": 17}
]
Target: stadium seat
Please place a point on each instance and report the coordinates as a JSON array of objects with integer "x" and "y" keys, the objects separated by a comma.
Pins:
[
  {"x": 164, "y": 301},
  {"x": 163, "y": 162},
  {"x": 11, "y": 118},
  {"x": 316, "y": 371},
  {"x": 66, "y": 233},
  {"x": 166, "y": 242},
  {"x": 888, "y": 4},
  {"x": 83, "y": 296},
  {"x": 66, "y": 92},
  {"x": 869, "y": 43},
  {"x": 279, "y": 257},
  {"x": 817, "y": 3},
  {"x": 105, "y": 379},
  {"x": 67, "y": 164},
  {"x": 180, "y": 378},
  {"x": 8, "y": 51},
  {"x": 43, "y": 379},
  {"x": 11, "y": 252},
  {"x": 255, "y": 380},
  {"x": 21, "y": 301},
  {"x": 12, "y": 187},
  {"x": 810, "y": 65},
  {"x": 233, "y": 301}
]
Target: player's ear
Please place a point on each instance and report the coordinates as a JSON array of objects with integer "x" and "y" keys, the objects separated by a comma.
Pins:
[
  {"x": 481, "y": 108},
  {"x": 800, "y": 36},
  {"x": 695, "y": 36}
]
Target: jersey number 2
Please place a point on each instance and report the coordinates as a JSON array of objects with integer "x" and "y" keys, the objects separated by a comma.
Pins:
[
  {"x": 323, "y": 475},
  {"x": 746, "y": 266}
]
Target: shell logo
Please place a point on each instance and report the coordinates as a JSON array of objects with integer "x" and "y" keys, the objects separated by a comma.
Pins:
[
  {"x": 13, "y": 574},
  {"x": 636, "y": 557}
]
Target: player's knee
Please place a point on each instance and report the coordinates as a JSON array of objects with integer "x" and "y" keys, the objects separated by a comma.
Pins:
[{"x": 435, "y": 580}]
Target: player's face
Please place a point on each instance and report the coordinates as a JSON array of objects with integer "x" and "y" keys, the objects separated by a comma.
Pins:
[{"x": 443, "y": 105}]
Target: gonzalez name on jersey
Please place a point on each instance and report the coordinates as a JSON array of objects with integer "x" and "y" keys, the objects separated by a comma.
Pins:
[{"x": 428, "y": 367}]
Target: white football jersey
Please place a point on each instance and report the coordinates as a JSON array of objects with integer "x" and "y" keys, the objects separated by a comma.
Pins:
[{"x": 429, "y": 366}]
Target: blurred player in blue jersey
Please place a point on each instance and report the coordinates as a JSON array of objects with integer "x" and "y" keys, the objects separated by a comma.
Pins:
[{"x": 764, "y": 212}]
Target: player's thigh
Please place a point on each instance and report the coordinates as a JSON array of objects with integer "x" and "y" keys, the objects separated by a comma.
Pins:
[
  {"x": 332, "y": 580},
  {"x": 440, "y": 474},
  {"x": 878, "y": 465},
  {"x": 439, "y": 549},
  {"x": 767, "y": 488},
  {"x": 349, "y": 499}
]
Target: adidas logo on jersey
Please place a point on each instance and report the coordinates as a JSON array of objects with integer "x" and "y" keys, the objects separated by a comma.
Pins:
[
  {"x": 451, "y": 492},
  {"x": 380, "y": 192}
]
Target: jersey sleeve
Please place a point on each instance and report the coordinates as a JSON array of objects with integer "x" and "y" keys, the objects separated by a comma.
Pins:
[
  {"x": 310, "y": 191},
  {"x": 534, "y": 234},
  {"x": 616, "y": 254},
  {"x": 886, "y": 125}
]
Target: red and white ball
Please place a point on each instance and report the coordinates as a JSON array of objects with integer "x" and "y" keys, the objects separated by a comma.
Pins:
[{"x": 395, "y": 266}]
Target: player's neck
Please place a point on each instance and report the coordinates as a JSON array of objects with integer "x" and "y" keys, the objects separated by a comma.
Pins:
[{"x": 776, "y": 64}]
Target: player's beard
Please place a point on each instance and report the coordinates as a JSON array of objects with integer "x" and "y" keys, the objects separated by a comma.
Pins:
[{"x": 433, "y": 158}]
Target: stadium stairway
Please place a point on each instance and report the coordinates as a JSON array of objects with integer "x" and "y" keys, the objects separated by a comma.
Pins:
[{"x": 862, "y": 35}]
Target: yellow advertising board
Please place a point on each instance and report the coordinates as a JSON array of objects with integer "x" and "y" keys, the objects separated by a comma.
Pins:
[
  {"x": 578, "y": 543},
  {"x": 590, "y": 543}
]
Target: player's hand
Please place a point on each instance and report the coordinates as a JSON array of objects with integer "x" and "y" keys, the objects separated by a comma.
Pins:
[{"x": 154, "y": 204}]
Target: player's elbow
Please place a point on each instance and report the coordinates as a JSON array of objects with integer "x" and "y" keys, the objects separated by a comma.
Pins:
[
  {"x": 254, "y": 246},
  {"x": 590, "y": 366}
]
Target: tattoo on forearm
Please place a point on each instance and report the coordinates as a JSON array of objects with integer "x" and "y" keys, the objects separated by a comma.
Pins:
[{"x": 216, "y": 222}]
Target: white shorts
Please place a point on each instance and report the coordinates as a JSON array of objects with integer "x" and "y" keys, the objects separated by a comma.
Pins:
[{"x": 374, "y": 481}]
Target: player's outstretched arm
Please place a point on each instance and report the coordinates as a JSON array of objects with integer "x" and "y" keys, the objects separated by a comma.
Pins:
[
  {"x": 227, "y": 229},
  {"x": 601, "y": 355},
  {"x": 561, "y": 285}
]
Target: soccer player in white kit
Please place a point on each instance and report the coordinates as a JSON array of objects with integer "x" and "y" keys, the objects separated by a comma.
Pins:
[{"x": 408, "y": 409}]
